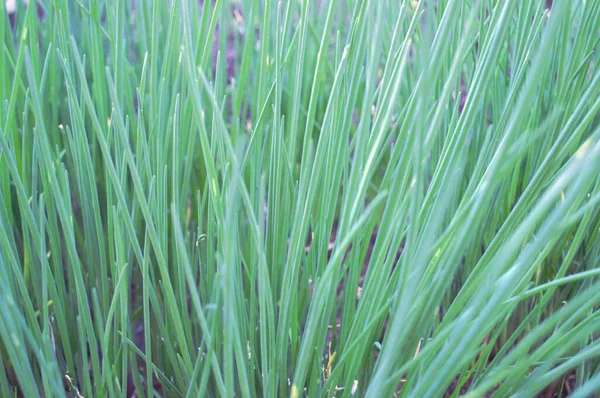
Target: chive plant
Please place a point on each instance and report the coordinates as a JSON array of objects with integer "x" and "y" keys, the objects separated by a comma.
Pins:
[{"x": 301, "y": 198}]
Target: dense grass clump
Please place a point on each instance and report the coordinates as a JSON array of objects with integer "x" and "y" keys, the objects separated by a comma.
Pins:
[{"x": 300, "y": 198}]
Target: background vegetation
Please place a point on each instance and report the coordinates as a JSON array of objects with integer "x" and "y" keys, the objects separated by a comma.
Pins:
[{"x": 300, "y": 198}]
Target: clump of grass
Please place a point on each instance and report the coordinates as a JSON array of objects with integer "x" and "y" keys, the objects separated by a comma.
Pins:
[{"x": 306, "y": 198}]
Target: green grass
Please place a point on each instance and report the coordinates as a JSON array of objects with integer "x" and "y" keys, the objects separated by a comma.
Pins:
[{"x": 300, "y": 198}]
